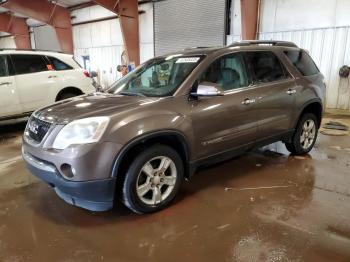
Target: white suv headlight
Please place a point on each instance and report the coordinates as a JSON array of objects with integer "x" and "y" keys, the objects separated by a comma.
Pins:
[{"x": 82, "y": 131}]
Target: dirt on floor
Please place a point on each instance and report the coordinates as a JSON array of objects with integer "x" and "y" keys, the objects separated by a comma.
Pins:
[{"x": 262, "y": 206}]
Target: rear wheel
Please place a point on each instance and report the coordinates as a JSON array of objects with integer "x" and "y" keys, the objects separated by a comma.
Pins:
[
  {"x": 153, "y": 179},
  {"x": 305, "y": 135}
]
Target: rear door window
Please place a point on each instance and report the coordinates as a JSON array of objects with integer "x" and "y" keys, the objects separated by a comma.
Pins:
[
  {"x": 265, "y": 67},
  {"x": 28, "y": 64},
  {"x": 58, "y": 64},
  {"x": 3, "y": 66},
  {"x": 303, "y": 62}
]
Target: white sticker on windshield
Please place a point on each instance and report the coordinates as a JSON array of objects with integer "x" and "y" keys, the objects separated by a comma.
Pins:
[{"x": 187, "y": 60}]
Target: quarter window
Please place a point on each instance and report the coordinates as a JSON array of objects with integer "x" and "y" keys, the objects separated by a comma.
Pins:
[
  {"x": 58, "y": 64},
  {"x": 27, "y": 64},
  {"x": 303, "y": 62},
  {"x": 3, "y": 66},
  {"x": 265, "y": 67},
  {"x": 228, "y": 72}
]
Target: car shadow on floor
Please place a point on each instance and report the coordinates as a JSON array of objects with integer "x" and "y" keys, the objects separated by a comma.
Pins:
[
  {"x": 255, "y": 168},
  {"x": 8, "y": 131},
  {"x": 46, "y": 204}
]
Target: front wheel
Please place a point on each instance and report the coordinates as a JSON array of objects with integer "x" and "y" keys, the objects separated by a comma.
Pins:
[
  {"x": 153, "y": 179},
  {"x": 305, "y": 135}
]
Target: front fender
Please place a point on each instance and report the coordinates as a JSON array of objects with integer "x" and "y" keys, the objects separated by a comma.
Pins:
[{"x": 142, "y": 123}]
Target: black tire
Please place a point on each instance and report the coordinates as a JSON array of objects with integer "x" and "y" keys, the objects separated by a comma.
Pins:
[
  {"x": 130, "y": 197},
  {"x": 295, "y": 146},
  {"x": 67, "y": 95}
]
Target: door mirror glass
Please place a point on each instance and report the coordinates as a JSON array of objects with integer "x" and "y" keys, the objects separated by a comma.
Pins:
[{"x": 207, "y": 89}]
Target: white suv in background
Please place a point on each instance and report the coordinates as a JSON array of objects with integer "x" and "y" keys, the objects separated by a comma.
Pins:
[{"x": 33, "y": 79}]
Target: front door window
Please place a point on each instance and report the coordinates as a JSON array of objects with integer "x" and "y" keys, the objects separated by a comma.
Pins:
[
  {"x": 227, "y": 72},
  {"x": 3, "y": 66}
]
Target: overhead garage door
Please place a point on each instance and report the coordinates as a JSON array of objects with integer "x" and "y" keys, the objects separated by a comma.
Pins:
[{"x": 179, "y": 24}]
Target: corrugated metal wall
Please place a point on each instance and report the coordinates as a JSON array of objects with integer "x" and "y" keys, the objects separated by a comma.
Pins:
[
  {"x": 330, "y": 48},
  {"x": 104, "y": 60},
  {"x": 103, "y": 43},
  {"x": 7, "y": 42},
  {"x": 46, "y": 38},
  {"x": 188, "y": 23},
  {"x": 319, "y": 26}
]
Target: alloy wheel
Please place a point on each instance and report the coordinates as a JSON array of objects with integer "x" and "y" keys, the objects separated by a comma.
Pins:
[
  {"x": 156, "y": 180},
  {"x": 308, "y": 134}
]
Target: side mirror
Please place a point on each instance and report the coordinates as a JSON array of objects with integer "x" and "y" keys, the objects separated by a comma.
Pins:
[
  {"x": 207, "y": 89},
  {"x": 93, "y": 74}
]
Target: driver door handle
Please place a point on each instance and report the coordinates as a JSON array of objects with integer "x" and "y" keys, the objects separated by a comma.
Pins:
[
  {"x": 291, "y": 91},
  {"x": 248, "y": 101},
  {"x": 52, "y": 76},
  {"x": 5, "y": 83}
]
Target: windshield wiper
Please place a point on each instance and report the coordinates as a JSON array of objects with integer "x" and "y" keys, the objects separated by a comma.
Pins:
[{"x": 132, "y": 94}]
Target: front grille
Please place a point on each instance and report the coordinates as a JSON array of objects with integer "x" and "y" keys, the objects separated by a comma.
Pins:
[{"x": 37, "y": 129}]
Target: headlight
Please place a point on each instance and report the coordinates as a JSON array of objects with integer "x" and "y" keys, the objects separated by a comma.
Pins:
[{"x": 82, "y": 131}]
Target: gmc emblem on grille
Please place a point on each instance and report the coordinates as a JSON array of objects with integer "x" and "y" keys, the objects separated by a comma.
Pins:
[{"x": 34, "y": 127}]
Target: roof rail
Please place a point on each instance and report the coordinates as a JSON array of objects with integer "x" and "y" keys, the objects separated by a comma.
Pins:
[
  {"x": 263, "y": 42},
  {"x": 198, "y": 47},
  {"x": 19, "y": 49}
]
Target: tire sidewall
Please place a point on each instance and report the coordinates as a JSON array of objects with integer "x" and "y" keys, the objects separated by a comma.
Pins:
[
  {"x": 296, "y": 139},
  {"x": 130, "y": 197}
]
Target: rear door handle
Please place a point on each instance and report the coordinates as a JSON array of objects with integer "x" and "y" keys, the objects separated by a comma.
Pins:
[
  {"x": 291, "y": 91},
  {"x": 5, "y": 83},
  {"x": 52, "y": 76},
  {"x": 248, "y": 101}
]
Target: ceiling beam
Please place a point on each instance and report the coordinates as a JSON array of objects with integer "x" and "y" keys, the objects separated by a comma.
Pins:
[
  {"x": 17, "y": 27},
  {"x": 81, "y": 6},
  {"x": 49, "y": 13},
  {"x": 128, "y": 13}
]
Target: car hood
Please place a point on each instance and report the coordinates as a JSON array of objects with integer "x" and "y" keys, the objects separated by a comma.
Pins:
[{"x": 96, "y": 104}]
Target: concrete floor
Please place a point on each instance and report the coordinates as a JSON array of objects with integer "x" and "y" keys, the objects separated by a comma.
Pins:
[{"x": 263, "y": 206}]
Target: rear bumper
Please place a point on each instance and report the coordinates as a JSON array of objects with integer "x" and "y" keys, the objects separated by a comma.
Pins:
[{"x": 94, "y": 195}]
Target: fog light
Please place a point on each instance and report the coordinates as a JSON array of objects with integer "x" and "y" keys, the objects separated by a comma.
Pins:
[{"x": 67, "y": 170}]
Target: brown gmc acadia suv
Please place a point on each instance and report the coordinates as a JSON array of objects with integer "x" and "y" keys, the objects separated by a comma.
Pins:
[{"x": 151, "y": 129}]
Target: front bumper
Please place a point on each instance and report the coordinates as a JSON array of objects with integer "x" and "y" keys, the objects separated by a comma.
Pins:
[{"x": 94, "y": 195}]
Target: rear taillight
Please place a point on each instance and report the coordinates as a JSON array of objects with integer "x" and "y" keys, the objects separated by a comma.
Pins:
[{"x": 86, "y": 73}]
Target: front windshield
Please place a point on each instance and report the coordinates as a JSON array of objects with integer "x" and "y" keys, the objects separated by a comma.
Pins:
[{"x": 157, "y": 77}]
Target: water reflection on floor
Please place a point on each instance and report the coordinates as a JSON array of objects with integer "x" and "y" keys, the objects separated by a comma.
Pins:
[{"x": 263, "y": 206}]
